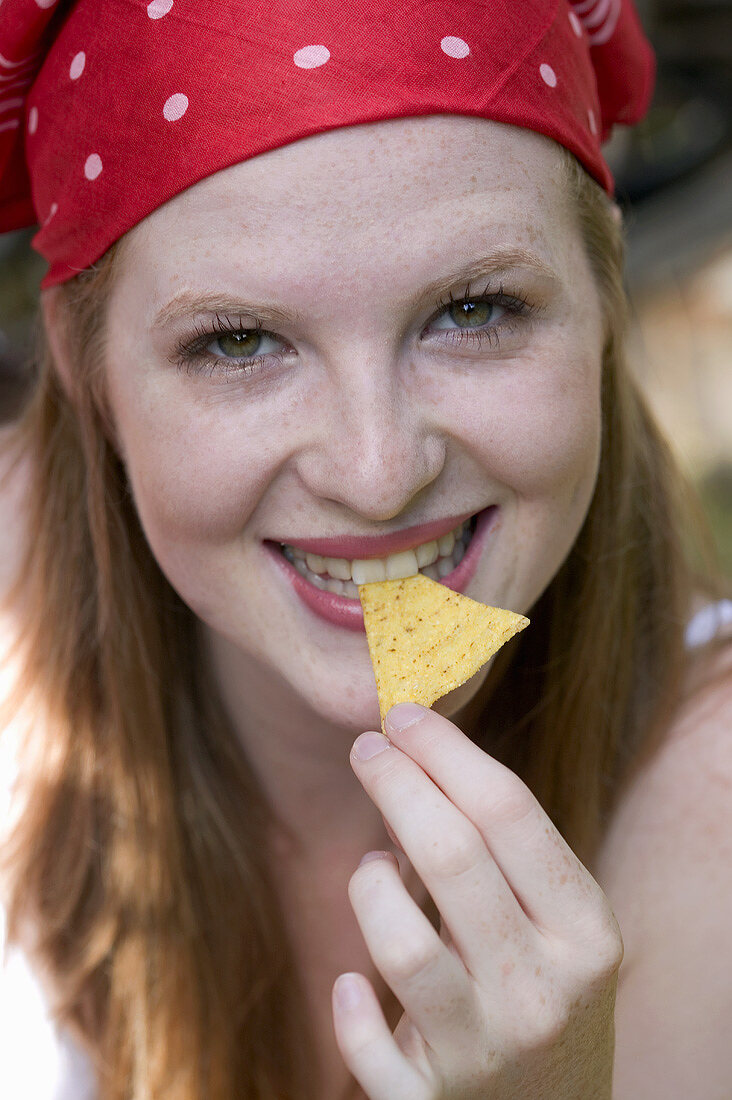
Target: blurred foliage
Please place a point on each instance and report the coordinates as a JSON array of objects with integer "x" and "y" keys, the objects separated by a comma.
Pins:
[
  {"x": 715, "y": 490},
  {"x": 21, "y": 271}
]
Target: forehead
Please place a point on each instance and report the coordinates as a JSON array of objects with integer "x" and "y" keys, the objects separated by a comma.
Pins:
[{"x": 361, "y": 197}]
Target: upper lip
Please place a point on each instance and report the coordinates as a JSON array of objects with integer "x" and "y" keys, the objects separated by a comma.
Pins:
[{"x": 380, "y": 546}]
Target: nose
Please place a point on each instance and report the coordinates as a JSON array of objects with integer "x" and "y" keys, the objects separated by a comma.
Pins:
[{"x": 373, "y": 447}]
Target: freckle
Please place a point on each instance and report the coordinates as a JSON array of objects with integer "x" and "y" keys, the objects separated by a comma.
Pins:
[
  {"x": 542, "y": 999},
  {"x": 538, "y": 971},
  {"x": 562, "y": 880},
  {"x": 507, "y": 968}
]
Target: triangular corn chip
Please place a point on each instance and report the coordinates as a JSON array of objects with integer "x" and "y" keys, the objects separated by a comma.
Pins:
[{"x": 425, "y": 639}]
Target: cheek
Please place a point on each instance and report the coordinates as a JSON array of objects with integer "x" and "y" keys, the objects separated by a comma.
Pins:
[
  {"x": 557, "y": 454},
  {"x": 195, "y": 475},
  {"x": 541, "y": 437}
]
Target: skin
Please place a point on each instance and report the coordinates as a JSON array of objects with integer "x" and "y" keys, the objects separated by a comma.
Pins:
[
  {"x": 373, "y": 419},
  {"x": 366, "y": 426}
]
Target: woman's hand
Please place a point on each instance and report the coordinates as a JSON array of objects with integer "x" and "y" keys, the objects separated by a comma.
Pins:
[{"x": 515, "y": 999}]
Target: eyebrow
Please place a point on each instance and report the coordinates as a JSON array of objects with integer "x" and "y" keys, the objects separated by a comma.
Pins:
[{"x": 500, "y": 259}]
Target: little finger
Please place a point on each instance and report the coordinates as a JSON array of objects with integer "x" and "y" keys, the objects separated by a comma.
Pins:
[
  {"x": 368, "y": 1047},
  {"x": 428, "y": 979}
]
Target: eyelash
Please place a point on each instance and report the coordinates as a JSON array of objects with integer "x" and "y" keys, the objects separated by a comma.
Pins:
[{"x": 189, "y": 351}]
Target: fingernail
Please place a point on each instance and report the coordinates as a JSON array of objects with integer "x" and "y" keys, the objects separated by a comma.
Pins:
[
  {"x": 347, "y": 991},
  {"x": 405, "y": 714},
  {"x": 368, "y": 744},
  {"x": 375, "y": 855}
]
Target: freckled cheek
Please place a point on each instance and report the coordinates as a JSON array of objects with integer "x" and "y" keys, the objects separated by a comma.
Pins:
[
  {"x": 194, "y": 481},
  {"x": 542, "y": 444},
  {"x": 553, "y": 455}
]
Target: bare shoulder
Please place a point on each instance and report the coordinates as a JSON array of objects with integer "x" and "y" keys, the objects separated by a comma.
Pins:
[
  {"x": 14, "y": 479},
  {"x": 695, "y": 759},
  {"x": 678, "y": 808},
  {"x": 666, "y": 868}
]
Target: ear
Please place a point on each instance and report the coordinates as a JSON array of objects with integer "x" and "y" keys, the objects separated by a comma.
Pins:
[{"x": 617, "y": 213}]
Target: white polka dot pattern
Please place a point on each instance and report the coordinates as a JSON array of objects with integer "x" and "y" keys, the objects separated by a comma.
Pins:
[
  {"x": 77, "y": 65},
  {"x": 548, "y": 75},
  {"x": 11, "y": 108},
  {"x": 93, "y": 166},
  {"x": 156, "y": 9},
  {"x": 599, "y": 18},
  {"x": 311, "y": 57},
  {"x": 165, "y": 91},
  {"x": 454, "y": 47},
  {"x": 175, "y": 107},
  {"x": 15, "y": 79}
]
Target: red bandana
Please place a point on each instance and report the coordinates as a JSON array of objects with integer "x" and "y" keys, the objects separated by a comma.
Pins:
[{"x": 108, "y": 108}]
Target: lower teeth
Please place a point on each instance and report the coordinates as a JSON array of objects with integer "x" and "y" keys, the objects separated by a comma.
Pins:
[{"x": 435, "y": 572}]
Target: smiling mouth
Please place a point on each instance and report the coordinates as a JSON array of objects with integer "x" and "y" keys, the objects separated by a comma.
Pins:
[{"x": 435, "y": 559}]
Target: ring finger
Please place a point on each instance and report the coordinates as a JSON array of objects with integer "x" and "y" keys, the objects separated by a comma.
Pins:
[
  {"x": 453, "y": 861},
  {"x": 428, "y": 979}
]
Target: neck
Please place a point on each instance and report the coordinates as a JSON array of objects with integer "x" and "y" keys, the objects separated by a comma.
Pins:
[{"x": 300, "y": 760}]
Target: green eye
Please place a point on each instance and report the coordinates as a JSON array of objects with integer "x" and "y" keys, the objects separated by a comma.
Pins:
[
  {"x": 238, "y": 344},
  {"x": 471, "y": 312}
]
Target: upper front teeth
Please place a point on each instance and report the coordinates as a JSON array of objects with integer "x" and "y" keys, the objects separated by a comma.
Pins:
[{"x": 363, "y": 571}]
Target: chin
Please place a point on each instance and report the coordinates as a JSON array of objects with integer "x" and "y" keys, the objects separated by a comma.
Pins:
[{"x": 357, "y": 711}]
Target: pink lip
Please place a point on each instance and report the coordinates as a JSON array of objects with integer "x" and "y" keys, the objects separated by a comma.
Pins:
[
  {"x": 347, "y": 613},
  {"x": 379, "y": 546}
]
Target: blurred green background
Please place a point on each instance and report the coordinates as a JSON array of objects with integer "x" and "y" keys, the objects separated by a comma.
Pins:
[{"x": 673, "y": 176}]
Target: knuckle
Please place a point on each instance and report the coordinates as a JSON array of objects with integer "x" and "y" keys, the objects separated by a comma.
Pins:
[
  {"x": 549, "y": 1029},
  {"x": 546, "y": 1019},
  {"x": 360, "y": 1040},
  {"x": 451, "y": 855},
  {"x": 512, "y": 802},
  {"x": 603, "y": 962},
  {"x": 612, "y": 953},
  {"x": 603, "y": 950},
  {"x": 370, "y": 876},
  {"x": 404, "y": 960}
]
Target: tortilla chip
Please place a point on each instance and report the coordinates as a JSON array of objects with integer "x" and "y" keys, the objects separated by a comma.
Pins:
[{"x": 425, "y": 639}]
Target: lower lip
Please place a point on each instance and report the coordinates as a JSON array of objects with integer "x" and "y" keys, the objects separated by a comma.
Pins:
[{"x": 346, "y": 612}]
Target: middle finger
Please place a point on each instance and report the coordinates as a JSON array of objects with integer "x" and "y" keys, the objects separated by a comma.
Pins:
[{"x": 450, "y": 856}]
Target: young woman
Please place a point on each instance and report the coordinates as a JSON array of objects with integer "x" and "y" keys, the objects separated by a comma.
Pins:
[{"x": 316, "y": 291}]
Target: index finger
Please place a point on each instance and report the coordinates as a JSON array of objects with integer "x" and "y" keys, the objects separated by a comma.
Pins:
[{"x": 552, "y": 886}]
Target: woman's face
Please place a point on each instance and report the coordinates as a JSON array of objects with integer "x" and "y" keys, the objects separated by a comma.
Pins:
[{"x": 368, "y": 402}]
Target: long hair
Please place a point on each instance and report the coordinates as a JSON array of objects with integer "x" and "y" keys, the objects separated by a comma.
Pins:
[{"x": 141, "y": 860}]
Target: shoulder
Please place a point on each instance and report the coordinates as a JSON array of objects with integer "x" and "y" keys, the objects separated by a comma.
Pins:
[
  {"x": 14, "y": 479},
  {"x": 679, "y": 803},
  {"x": 666, "y": 869}
]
